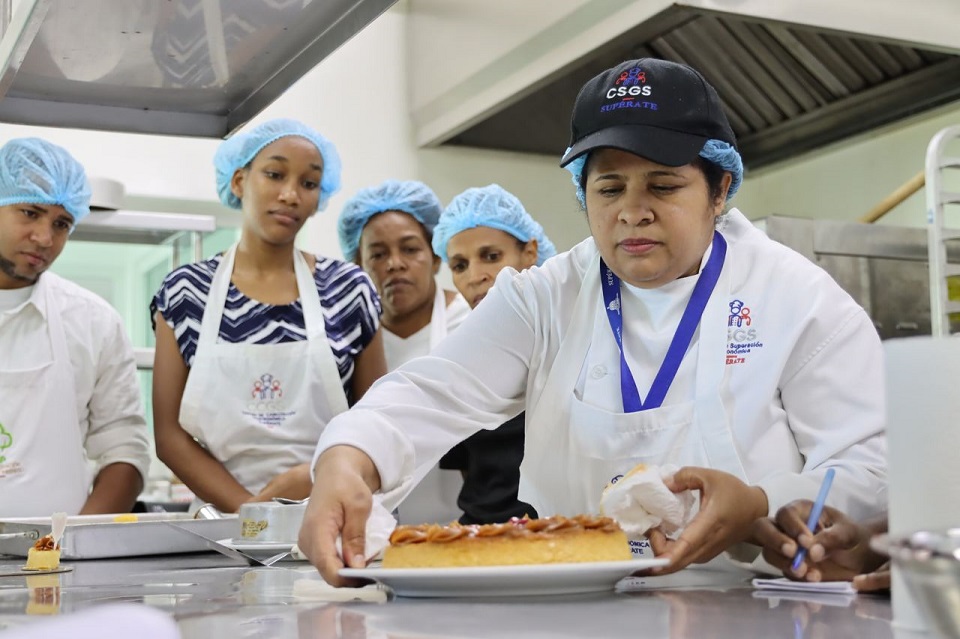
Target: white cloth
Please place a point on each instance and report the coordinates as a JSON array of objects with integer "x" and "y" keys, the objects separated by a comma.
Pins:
[
  {"x": 259, "y": 408},
  {"x": 71, "y": 393},
  {"x": 802, "y": 386},
  {"x": 380, "y": 525},
  {"x": 434, "y": 498},
  {"x": 641, "y": 500}
]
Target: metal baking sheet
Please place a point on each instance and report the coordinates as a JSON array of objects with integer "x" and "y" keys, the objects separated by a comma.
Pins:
[{"x": 101, "y": 537}]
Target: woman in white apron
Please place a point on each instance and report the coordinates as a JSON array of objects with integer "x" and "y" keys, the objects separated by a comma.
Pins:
[
  {"x": 258, "y": 348},
  {"x": 386, "y": 229},
  {"x": 481, "y": 232},
  {"x": 676, "y": 334}
]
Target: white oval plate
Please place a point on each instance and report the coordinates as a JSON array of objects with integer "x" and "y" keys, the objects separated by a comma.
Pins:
[{"x": 495, "y": 581}]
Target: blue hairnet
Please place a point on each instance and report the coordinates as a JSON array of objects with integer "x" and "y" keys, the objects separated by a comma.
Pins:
[
  {"x": 496, "y": 208},
  {"x": 720, "y": 153},
  {"x": 238, "y": 151},
  {"x": 409, "y": 196},
  {"x": 34, "y": 171}
]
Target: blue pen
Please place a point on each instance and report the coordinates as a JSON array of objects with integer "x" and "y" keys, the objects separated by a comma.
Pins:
[{"x": 815, "y": 514}]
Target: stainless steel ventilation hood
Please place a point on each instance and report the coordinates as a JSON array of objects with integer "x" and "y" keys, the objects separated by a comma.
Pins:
[
  {"x": 107, "y": 222},
  {"x": 178, "y": 67},
  {"x": 787, "y": 88}
]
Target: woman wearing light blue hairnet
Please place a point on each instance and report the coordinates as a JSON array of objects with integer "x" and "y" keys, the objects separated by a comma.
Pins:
[
  {"x": 481, "y": 232},
  {"x": 386, "y": 229},
  {"x": 678, "y": 334},
  {"x": 258, "y": 348}
]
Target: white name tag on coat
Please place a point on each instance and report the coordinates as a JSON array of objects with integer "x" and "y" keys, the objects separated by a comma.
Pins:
[{"x": 641, "y": 548}]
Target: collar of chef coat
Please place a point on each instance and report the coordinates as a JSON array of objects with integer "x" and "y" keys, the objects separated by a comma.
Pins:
[{"x": 38, "y": 298}]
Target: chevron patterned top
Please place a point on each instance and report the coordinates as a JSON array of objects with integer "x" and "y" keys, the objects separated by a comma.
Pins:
[{"x": 351, "y": 311}]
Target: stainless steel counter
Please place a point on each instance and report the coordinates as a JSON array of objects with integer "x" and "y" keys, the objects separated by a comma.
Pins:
[{"x": 211, "y": 597}]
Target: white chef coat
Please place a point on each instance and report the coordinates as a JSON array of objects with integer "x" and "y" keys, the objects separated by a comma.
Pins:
[
  {"x": 434, "y": 498},
  {"x": 108, "y": 416},
  {"x": 802, "y": 390}
]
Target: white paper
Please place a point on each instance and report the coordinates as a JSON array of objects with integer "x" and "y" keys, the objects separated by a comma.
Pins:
[
  {"x": 923, "y": 447},
  {"x": 782, "y": 583},
  {"x": 58, "y": 524},
  {"x": 314, "y": 590}
]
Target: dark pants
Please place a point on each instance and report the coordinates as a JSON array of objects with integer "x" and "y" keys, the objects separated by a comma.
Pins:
[{"x": 490, "y": 463}]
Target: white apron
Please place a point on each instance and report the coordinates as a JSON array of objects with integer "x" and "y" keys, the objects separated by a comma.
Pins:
[
  {"x": 434, "y": 498},
  {"x": 438, "y": 318},
  {"x": 43, "y": 466},
  {"x": 259, "y": 408},
  {"x": 567, "y": 465}
]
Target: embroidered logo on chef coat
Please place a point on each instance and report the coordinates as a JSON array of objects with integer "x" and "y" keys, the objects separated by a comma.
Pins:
[
  {"x": 739, "y": 314},
  {"x": 742, "y": 336},
  {"x": 628, "y": 92},
  {"x": 6, "y": 441},
  {"x": 266, "y": 404},
  {"x": 7, "y": 468}
]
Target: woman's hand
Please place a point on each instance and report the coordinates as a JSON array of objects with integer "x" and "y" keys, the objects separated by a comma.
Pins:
[
  {"x": 839, "y": 552},
  {"x": 728, "y": 508},
  {"x": 339, "y": 507},
  {"x": 292, "y": 484}
]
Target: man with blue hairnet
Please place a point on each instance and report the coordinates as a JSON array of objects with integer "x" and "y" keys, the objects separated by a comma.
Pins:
[{"x": 67, "y": 372}]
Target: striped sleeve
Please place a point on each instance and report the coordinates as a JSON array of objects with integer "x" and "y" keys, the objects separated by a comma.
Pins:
[
  {"x": 351, "y": 309},
  {"x": 181, "y": 300}
]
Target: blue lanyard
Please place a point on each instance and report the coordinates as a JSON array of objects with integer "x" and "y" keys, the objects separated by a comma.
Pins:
[{"x": 681, "y": 339}]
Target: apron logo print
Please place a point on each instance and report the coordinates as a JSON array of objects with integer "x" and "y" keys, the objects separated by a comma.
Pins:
[
  {"x": 742, "y": 338},
  {"x": 267, "y": 387},
  {"x": 266, "y": 405},
  {"x": 6, "y": 441}
]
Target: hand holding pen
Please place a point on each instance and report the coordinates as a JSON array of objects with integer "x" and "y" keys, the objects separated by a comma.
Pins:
[
  {"x": 815, "y": 515},
  {"x": 838, "y": 550}
]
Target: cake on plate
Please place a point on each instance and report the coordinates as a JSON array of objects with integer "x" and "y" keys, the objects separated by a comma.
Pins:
[
  {"x": 520, "y": 541},
  {"x": 43, "y": 555}
]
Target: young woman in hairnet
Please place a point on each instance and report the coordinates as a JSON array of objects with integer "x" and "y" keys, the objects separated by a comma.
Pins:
[
  {"x": 678, "y": 333},
  {"x": 258, "y": 348},
  {"x": 481, "y": 232},
  {"x": 387, "y": 229}
]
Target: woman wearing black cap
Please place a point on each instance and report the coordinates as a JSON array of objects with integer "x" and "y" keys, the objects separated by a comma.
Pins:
[{"x": 676, "y": 334}]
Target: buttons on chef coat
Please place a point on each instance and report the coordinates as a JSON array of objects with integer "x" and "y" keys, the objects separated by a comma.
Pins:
[{"x": 598, "y": 372}]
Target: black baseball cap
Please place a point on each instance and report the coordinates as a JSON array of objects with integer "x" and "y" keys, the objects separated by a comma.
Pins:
[{"x": 660, "y": 110}]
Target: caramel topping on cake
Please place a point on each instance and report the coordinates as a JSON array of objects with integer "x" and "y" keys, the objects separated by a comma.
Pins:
[
  {"x": 404, "y": 535},
  {"x": 44, "y": 543}
]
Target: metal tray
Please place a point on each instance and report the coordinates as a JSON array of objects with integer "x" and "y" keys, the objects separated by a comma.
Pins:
[{"x": 100, "y": 537}]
